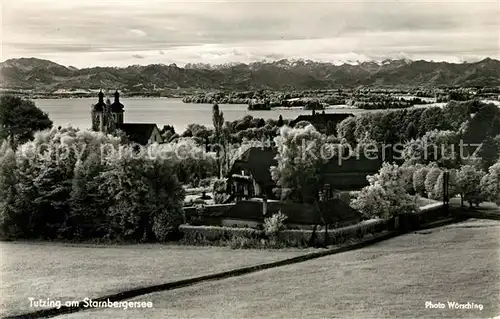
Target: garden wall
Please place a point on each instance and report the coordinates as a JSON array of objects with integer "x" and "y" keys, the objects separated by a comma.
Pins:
[
  {"x": 214, "y": 235},
  {"x": 289, "y": 238},
  {"x": 426, "y": 214}
]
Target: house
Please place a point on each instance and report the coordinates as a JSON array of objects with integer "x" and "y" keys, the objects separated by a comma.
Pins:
[
  {"x": 323, "y": 122},
  {"x": 250, "y": 175},
  {"x": 350, "y": 174},
  {"x": 109, "y": 117},
  {"x": 142, "y": 133}
]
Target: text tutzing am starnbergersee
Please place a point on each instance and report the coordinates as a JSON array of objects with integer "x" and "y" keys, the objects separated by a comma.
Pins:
[{"x": 87, "y": 303}]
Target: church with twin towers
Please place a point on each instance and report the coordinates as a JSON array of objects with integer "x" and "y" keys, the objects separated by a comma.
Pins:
[{"x": 108, "y": 118}]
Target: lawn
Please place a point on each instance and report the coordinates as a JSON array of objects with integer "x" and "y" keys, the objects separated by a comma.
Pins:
[
  {"x": 69, "y": 272},
  {"x": 392, "y": 279}
]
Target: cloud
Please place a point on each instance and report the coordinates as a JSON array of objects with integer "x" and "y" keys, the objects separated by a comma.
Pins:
[
  {"x": 138, "y": 33},
  {"x": 137, "y": 56},
  {"x": 219, "y": 32}
]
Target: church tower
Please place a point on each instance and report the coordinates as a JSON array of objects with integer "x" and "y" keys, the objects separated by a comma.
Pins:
[
  {"x": 117, "y": 110},
  {"x": 97, "y": 114}
]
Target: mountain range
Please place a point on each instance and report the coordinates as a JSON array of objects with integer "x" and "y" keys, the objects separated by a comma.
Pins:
[{"x": 31, "y": 73}]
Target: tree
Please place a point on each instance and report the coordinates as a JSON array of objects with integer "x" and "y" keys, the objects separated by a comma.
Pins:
[
  {"x": 441, "y": 147},
  {"x": 432, "y": 119},
  {"x": 386, "y": 196},
  {"x": 346, "y": 130},
  {"x": 220, "y": 190},
  {"x": 483, "y": 121},
  {"x": 67, "y": 183},
  {"x": 87, "y": 218},
  {"x": 218, "y": 122},
  {"x": 430, "y": 183},
  {"x": 456, "y": 113},
  {"x": 145, "y": 198},
  {"x": 481, "y": 127},
  {"x": 165, "y": 198},
  {"x": 468, "y": 180},
  {"x": 195, "y": 130},
  {"x": 20, "y": 119},
  {"x": 190, "y": 161},
  {"x": 301, "y": 155},
  {"x": 489, "y": 152},
  {"x": 280, "y": 121},
  {"x": 8, "y": 182},
  {"x": 407, "y": 175},
  {"x": 490, "y": 184},
  {"x": 419, "y": 177}
]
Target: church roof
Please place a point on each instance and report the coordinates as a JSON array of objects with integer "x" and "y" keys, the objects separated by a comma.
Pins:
[
  {"x": 117, "y": 107},
  {"x": 138, "y": 132},
  {"x": 99, "y": 106}
]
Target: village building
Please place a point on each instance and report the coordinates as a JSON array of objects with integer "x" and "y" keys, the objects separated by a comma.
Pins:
[
  {"x": 252, "y": 199},
  {"x": 108, "y": 118},
  {"x": 323, "y": 122},
  {"x": 250, "y": 176}
]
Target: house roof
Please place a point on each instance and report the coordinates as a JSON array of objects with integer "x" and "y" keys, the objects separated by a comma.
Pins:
[
  {"x": 138, "y": 132},
  {"x": 349, "y": 174},
  {"x": 257, "y": 161},
  {"x": 322, "y": 118}
]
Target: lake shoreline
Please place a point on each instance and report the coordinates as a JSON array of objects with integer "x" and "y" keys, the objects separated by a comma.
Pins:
[{"x": 172, "y": 111}]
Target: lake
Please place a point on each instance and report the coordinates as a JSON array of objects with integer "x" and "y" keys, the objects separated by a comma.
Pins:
[{"x": 163, "y": 111}]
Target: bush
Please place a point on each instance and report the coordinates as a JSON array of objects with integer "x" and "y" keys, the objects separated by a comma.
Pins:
[
  {"x": 419, "y": 177},
  {"x": 468, "y": 180},
  {"x": 219, "y": 191},
  {"x": 204, "y": 235},
  {"x": 75, "y": 184},
  {"x": 431, "y": 180},
  {"x": 386, "y": 196},
  {"x": 490, "y": 184},
  {"x": 275, "y": 223},
  {"x": 407, "y": 175},
  {"x": 252, "y": 238}
]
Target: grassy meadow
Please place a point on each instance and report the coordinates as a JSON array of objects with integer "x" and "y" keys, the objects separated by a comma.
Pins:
[
  {"x": 392, "y": 279},
  {"x": 73, "y": 272}
]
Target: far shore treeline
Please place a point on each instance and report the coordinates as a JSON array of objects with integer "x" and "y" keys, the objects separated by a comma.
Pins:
[{"x": 47, "y": 192}]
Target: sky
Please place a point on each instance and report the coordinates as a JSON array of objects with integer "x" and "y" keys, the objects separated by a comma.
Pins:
[{"x": 85, "y": 33}]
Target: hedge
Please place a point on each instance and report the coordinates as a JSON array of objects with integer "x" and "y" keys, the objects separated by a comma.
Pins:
[
  {"x": 254, "y": 238},
  {"x": 293, "y": 238}
]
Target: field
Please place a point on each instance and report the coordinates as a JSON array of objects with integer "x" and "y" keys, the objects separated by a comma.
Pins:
[
  {"x": 392, "y": 279},
  {"x": 73, "y": 272}
]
